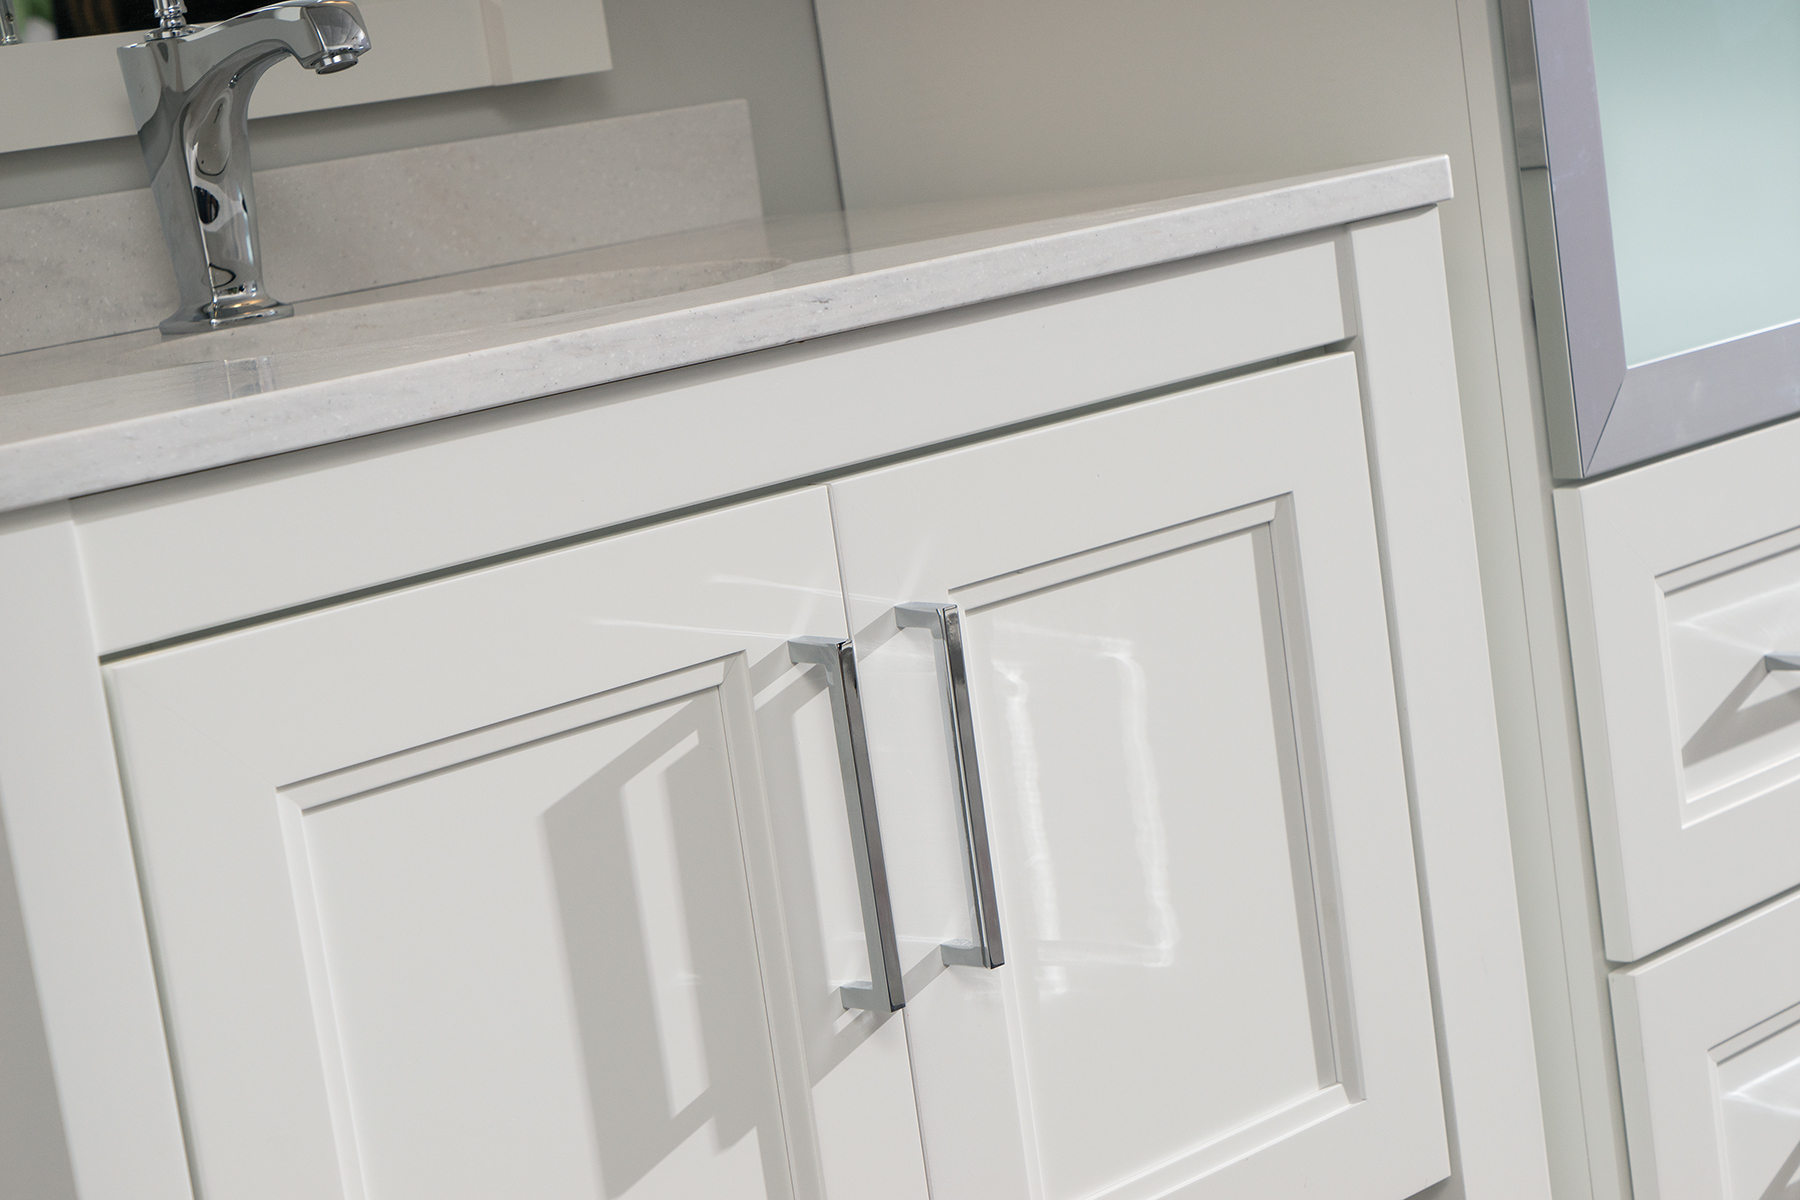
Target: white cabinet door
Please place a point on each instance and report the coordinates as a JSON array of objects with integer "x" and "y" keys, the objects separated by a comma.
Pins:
[
  {"x": 1214, "y": 980},
  {"x": 535, "y": 881},
  {"x": 1709, "y": 1062}
]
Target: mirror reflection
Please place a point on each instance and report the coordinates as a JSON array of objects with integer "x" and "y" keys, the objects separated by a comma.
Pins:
[
  {"x": 52, "y": 20},
  {"x": 1700, "y": 116}
]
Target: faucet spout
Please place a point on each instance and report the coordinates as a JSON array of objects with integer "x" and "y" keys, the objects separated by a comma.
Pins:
[{"x": 190, "y": 95}]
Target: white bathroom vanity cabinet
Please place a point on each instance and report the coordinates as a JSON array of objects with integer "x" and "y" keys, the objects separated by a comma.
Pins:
[{"x": 447, "y": 811}]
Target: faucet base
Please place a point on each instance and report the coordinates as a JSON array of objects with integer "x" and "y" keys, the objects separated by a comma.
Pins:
[{"x": 225, "y": 314}]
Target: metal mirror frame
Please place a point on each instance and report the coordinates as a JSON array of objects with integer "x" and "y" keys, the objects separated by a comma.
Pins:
[
  {"x": 421, "y": 48},
  {"x": 1602, "y": 414}
]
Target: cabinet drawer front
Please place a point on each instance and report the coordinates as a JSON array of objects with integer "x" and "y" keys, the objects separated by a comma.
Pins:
[
  {"x": 1181, "y": 691},
  {"x": 1683, "y": 587},
  {"x": 535, "y": 881},
  {"x": 187, "y": 554},
  {"x": 1709, "y": 1062}
]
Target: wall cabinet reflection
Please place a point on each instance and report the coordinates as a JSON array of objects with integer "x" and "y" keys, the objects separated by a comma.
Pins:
[
  {"x": 55, "y": 20},
  {"x": 64, "y": 70}
]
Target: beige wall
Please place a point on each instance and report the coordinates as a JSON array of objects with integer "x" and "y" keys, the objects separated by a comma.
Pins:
[
  {"x": 666, "y": 53},
  {"x": 956, "y": 99},
  {"x": 939, "y": 99}
]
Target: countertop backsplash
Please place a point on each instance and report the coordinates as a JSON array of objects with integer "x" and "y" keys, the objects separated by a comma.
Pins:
[{"x": 97, "y": 266}]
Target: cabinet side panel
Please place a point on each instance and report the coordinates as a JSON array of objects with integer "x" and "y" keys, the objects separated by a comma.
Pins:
[
  {"x": 33, "y": 1145},
  {"x": 1441, "y": 671},
  {"x": 77, "y": 884},
  {"x": 1581, "y": 609}
]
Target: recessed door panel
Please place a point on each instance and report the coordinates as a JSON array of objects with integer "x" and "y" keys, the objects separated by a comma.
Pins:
[
  {"x": 481, "y": 888},
  {"x": 589, "y": 891},
  {"x": 1185, "y": 742},
  {"x": 1737, "y": 722},
  {"x": 1139, "y": 721}
]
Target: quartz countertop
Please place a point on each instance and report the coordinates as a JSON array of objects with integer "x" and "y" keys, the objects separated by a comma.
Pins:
[{"x": 115, "y": 411}]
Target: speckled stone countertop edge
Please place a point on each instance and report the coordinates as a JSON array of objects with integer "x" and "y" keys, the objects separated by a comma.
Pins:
[{"x": 202, "y": 424}]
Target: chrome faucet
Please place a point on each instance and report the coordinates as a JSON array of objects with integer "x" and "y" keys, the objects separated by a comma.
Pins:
[{"x": 190, "y": 92}]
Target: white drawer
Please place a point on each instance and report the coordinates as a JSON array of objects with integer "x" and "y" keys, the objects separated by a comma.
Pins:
[
  {"x": 1682, "y": 578},
  {"x": 1709, "y": 1062}
]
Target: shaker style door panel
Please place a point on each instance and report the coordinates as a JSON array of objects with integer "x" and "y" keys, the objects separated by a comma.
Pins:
[
  {"x": 1709, "y": 1062},
  {"x": 1683, "y": 588},
  {"x": 533, "y": 881},
  {"x": 1178, "y": 751}
]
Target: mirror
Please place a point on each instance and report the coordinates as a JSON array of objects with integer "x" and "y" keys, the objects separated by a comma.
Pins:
[
  {"x": 74, "y": 91},
  {"x": 1700, "y": 119},
  {"x": 57, "y": 20}
]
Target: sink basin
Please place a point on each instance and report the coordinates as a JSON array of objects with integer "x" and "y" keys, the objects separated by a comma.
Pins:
[{"x": 474, "y": 300}]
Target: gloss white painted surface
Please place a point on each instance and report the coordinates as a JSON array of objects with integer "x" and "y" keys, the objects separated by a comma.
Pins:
[
  {"x": 68, "y": 441},
  {"x": 1394, "y": 297},
  {"x": 1153, "y": 836},
  {"x": 78, "y": 902},
  {"x": 1215, "y": 983},
  {"x": 1439, "y": 636},
  {"x": 543, "y": 970},
  {"x": 1759, "y": 1090},
  {"x": 422, "y": 939},
  {"x": 1709, "y": 1061},
  {"x": 1680, "y": 577}
]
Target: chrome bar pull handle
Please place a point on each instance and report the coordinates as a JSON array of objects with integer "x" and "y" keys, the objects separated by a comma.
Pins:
[
  {"x": 884, "y": 992},
  {"x": 945, "y": 623},
  {"x": 1781, "y": 662}
]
